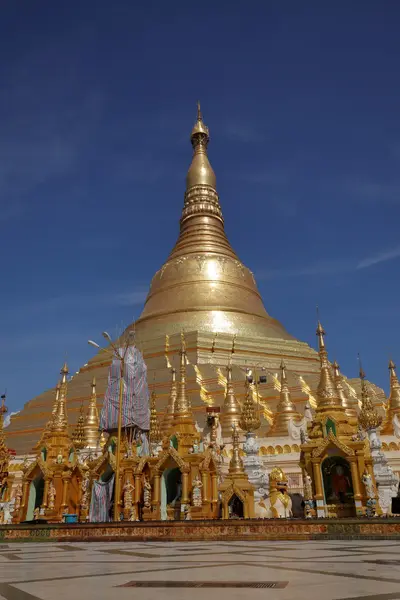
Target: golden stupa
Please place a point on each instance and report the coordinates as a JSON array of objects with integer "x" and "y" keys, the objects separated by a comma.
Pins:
[{"x": 204, "y": 290}]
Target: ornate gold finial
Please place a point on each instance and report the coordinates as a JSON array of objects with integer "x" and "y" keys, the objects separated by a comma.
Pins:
[
  {"x": 327, "y": 394},
  {"x": 60, "y": 423},
  {"x": 49, "y": 425},
  {"x": 285, "y": 410},
  {"x": 78, "y": 435},
  {"x": 236, "y": 463},
  {"x": 368, "y": 418},
  {"x": 92, "y": 423},
  {"x": 155, "y": 433},
  {"x": 171, "y": 407},
  {"x": 249, "y": 420},
  {"x": 340, "y": 389},
  {"x": 200, "y": 171},
  {"x": 182, "y": 409}
]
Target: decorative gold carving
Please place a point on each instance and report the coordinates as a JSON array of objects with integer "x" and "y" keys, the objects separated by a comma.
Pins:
[{"x": 320, "y": 449}]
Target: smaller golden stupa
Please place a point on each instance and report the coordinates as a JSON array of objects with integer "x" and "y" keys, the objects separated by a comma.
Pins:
[{"x": 334, "y": 456}]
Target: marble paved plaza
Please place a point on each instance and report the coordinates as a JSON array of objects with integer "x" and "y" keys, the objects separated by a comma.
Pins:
[{"x": 317, "y": 570}]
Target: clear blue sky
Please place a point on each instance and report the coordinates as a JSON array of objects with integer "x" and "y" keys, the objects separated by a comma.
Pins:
[{"x": 96, "y": 106}]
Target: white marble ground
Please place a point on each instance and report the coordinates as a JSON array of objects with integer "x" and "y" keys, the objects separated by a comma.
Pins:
[{"x": 320, "y": 570}]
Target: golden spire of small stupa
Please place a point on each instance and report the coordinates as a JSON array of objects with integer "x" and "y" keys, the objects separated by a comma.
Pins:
[
  {"x": 368, "y": 417},
  {"x": 154, "y": 433},
  {"x": 327, "y": 394},
  {"x": 60, "y": 423},
  {"x": 285, "y": 410},
  {"x": 236, "y": 463},
  {"x": 91, "y": 426},
  {"x": 337, "y": 377},
  {"x": 182, "y": 402},
  {"x": 231, "y": 412},
  {"x": 171, "y": 407},
  {"x": 249, "y": 420},
  {"x": 78, "y": 435}
]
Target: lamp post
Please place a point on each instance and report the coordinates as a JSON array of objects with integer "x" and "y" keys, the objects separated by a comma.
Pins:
[{"x": 121, "y": 357}]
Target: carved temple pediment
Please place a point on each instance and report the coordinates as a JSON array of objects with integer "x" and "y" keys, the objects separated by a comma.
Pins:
[{"x": 331, "y": 439}]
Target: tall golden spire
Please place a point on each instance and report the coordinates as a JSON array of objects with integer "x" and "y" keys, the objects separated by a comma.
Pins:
[
  {"x": 171, "y": 407},
  {"x": 182, "y": 403},
  {"x": 78, "y": 435},
  {"x": 60, "y": 423},
  {"x": 393, "y": 405},
  {"x": 231, "y": 412},
  {"x": 368, "y": 417},
  {"x": 337, "y": 377},
  {"x": 203, "y": 286},
  {"x": 154, "y": 433},
  {"x": 285, "y": 410},
  {"x": 236, "y": 463},
  {"x": 249, "y": 420},
  {"x": 91, "y": 426},
  {"x": 327, "y": 394}
]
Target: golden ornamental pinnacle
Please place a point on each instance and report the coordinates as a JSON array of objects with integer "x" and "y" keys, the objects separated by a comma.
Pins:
[
  {"x": 249, "y": 420},
  {"x": 92, "y": 422},
  {"x": 171, "y": 407},
  {"x": 155, "y": 432},
  {"x": 368, "y": 418},
  {"x": 236, "y": 463},
  {"x": 327, "y": 394},
  {"x": 182, "y": 403},
  {"x": 78, "y": 435},
  {"x": 339, "y": 386},
  {"x": 60, "y": 423}
]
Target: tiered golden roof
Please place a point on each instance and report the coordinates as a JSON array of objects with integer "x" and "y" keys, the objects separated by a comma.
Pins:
[{"x": 327, "y": 393}]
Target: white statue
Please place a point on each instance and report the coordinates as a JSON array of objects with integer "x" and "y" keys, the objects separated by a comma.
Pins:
[
  {"x": 52, "y": 495},
  {"x": 196, "y": 493},
  {"x": 147, "y": 493},
  {"x": 308, "y": 413},
  {"x": 369, "y": 485},
  {"x": 396, "y": 426}
]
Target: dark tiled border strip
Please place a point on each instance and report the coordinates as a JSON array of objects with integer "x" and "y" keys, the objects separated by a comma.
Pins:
[{"x": 218, "y": 531}]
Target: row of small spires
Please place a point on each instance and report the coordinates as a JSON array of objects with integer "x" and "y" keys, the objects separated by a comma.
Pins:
[{"x": 330, "y": 395}]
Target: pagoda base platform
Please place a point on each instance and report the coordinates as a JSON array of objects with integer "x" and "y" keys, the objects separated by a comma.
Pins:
[{"x": 218, "y": 530}]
